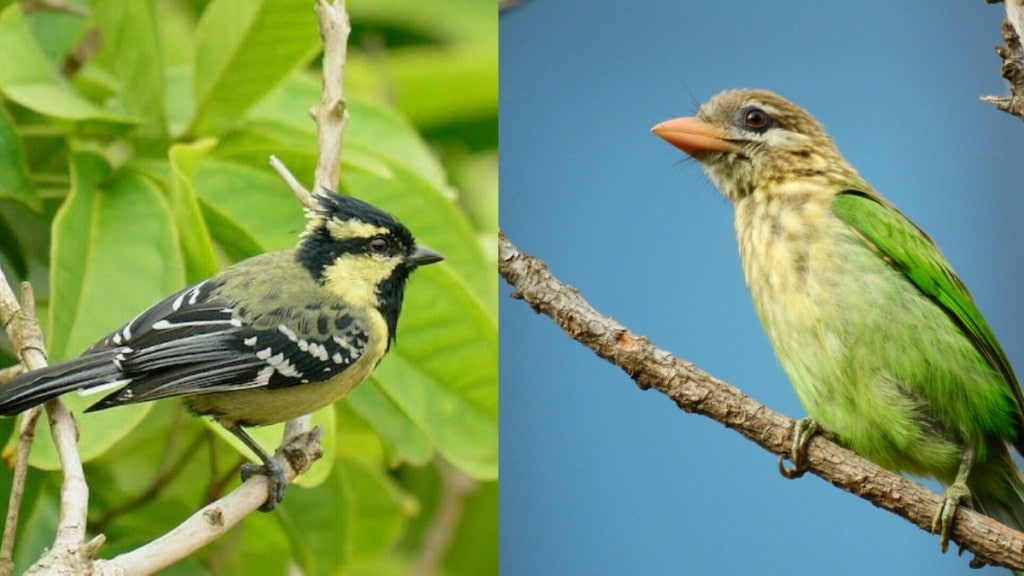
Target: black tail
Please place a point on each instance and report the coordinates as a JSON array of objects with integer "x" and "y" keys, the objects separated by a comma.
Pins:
[{"x": 34, "y": 388}]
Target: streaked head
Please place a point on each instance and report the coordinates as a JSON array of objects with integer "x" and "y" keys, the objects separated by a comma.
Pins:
[{"x": 749, "y": 138}]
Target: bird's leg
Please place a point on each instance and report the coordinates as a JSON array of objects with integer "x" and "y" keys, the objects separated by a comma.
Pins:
[
  {"x": 804, "y": 430},
  {"x": 957, "y": 493},
  {"x": 270, "y": 468}
]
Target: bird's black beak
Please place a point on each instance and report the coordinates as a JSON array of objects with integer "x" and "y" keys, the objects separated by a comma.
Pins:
[
  {"x": 422, "y": 256},
  {"x": 694, "y": 136}
]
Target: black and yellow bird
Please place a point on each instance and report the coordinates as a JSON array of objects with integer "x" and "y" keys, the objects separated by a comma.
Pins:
[{"x": 267, "y": 339}]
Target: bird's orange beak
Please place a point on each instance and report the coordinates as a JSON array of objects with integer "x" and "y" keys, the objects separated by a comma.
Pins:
[{"x": 693, "y": 136}]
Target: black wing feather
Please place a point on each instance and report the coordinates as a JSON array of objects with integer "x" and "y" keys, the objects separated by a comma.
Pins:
[{"x": 197, "y": 342}]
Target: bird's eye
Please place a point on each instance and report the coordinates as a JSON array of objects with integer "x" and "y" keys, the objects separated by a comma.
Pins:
[
  {"x": 756, "y": 119},
  {"x": 379, "y": 245}
]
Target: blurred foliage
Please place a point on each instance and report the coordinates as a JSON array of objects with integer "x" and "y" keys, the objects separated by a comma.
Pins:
[{"x": 134, "y": 140}]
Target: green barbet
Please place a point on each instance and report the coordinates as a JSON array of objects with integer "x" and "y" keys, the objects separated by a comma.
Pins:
[{"x": 882, "y": 341}]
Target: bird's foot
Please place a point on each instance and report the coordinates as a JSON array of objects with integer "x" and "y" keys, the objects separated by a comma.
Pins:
[
  {"x": 942, "y": 523},
  {"x": 271, "y": 469},
  {"x": 804, "y": 430}
]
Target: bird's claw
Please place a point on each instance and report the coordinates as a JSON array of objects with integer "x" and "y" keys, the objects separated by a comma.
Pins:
[
  {"x": 942, "y": 522},
  {"x": 271, "y": 469},
  {"x": 804, "y": 430}
]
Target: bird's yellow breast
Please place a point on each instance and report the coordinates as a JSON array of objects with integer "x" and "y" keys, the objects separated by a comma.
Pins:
[
  {"x": 280, "y": 282},
  {"x": 261, "y": 406},
  {"x": 785, "y": 246},
  {"x": 789, "y": 241}
]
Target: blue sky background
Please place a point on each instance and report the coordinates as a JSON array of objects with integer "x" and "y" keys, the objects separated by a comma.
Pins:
[{"x": 599, "y": 477}]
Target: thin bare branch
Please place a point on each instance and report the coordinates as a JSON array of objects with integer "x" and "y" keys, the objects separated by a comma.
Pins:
[
  {"x": 10, "y": 373},
  {"x": 456, "y": 487},
  {"x": 21, "y": 325},
  {"x": 694, "y": 390},
  {"x": 332, "y": 112},
  {"x": 215, "y": 519},
  {"x": 293, "y": 183},
  {"x": 26, "y": 434},
  {"x": 330, "y": 115}
]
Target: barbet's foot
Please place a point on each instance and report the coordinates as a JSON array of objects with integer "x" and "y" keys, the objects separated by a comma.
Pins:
[
  {"x": 804, "y": 430},
  {"x": 942, "y": 523},
  {"x": 958, "y": 493}
]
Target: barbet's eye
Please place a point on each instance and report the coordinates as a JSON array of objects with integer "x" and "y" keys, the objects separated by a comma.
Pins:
[
  {"x": 379, "y": 245},
  {"x": 756, "y": 119}
]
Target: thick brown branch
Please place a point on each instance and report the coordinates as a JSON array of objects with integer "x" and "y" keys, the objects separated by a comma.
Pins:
[{"x": 693, "y": 390}]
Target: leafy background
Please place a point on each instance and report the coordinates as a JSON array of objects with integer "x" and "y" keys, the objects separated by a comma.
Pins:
[{"x": 134, "y": 139}]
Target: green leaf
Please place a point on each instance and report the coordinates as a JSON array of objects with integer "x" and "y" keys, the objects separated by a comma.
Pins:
[
  {"x": 357, "y": 514},
  {"x": 388, "y": 419},
  {"x": 466, "y": 433},
  {"x": 245, "y": 49},
  {"x": 372, "y": 128},
  {"x": 433, "y": 88},
  {"x": 15, "y": 182},
  {"x": 114, "y": 254},
  {"x": 132, "y": 43},
  {"x": 449, "y": 76},
  {"x": 452, "y": 22},
  {"x": 37, "y": 531},
  {"x": 12, "y": 253},
  {"x": 196, "y": 244},
  {"x": 474, "y": 549},
  {"x": 253, "y": 208},
  {"x": 256, "y": 546},
  {"x": 254, "y": 143},
  {"x": 25, "y": 245},
  {"x": 29, "y": 79}
]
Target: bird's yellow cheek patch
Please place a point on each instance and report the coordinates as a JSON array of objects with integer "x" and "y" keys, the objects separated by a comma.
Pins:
[
  {"x": 354, "y": 277},
  {"x": 348, "y": 229}
]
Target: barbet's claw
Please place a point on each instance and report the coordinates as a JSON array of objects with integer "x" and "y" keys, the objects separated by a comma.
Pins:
[
  {"x": 958, "y": 493},
  {"x": 942, "y": 523},
  {"x": 804, "y": 430}
]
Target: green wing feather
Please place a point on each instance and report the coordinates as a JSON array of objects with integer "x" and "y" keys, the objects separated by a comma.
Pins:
[{"x": 908, "y": 249}]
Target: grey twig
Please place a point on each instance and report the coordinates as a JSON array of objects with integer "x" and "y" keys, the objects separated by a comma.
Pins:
[
  {"x": 332, "y": 112},
  {"x": 21, "y": 325}
]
